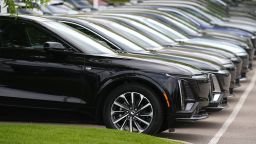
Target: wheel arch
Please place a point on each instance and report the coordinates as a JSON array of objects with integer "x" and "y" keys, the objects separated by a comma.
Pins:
[{"x": 111, "y": 84}]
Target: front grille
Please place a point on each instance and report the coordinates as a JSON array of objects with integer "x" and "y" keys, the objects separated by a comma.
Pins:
[
  {"x": 250, "y": 53},
  {"x": 184, "y": 95},
  {"x": 189, "y": 94},
  {"x": 238, "y": 69},
  {"x": 245, "y": 63}
]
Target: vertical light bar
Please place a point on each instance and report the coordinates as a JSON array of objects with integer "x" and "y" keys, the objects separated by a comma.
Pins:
[{"x": 181, "y": 95}]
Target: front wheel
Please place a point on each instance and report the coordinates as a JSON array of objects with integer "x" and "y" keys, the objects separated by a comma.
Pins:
[{"x": 133, "y": 108}]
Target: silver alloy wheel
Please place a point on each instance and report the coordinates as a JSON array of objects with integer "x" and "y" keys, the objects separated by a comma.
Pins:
[{"x": 132, "y": 112}]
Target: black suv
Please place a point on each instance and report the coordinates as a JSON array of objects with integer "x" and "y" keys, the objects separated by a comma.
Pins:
[{"x": 46, "y": 64}]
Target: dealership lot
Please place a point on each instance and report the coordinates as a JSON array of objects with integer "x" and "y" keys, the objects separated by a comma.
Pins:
[{"x": 142, "y": 66}]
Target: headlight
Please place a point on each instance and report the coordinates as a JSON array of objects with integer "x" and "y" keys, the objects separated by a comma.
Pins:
[
  {"x": 244, "y": 54},
  {"x": 235, "y": 59},
  {"x": 224, "y": 72},
  {"x": 200, "y": 77},
  {"x": 229, "y": 66}
]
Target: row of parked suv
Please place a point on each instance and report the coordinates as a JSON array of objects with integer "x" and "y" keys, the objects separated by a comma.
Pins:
[{"x": 139, "y": 67}]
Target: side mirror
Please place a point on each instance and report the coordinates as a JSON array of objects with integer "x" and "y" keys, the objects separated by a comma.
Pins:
[{"x": 54, "y": 46}]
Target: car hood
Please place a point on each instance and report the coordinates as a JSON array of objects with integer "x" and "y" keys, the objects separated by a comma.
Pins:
[
  {"x": 239, "y": 26},
  {"x": 198, "y": 55},
  {"x": 215, "y": 43},
  {"x": 206, "y": 65},
  {"x": 203, "y": 49},
  {"x": 236, "y": 31},
  {"x": 151, "y": 64},
  {"x": 242, "y": 42}
]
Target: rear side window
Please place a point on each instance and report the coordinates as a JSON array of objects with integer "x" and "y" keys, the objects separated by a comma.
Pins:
[
  {"x": 13, "y": 34},
  {"x": 91, "y": 35},
  {"x": 16, "y": 34}
]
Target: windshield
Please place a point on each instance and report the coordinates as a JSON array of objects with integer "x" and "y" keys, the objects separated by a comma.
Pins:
[
  {"x": 215, "y": 8},
  {"x": 165, "y": 30},
  {"x": 195, "y": 13},
  {"x": 186, "y": 20},
  {"x": 143, "y": 29},
  {"x": 82, "y": 2},
  {"x": 208, "y": 8},
  {"x": 181, "y": 28},
  {"x": 78, "y": 39},
  {"x": 197, "y": 17},
  {"x": 60, "y": 9},
  {"x": 207, "y": 14},
  {"x": 117, "y": 39},
  {"x": 132, "y": 35}
]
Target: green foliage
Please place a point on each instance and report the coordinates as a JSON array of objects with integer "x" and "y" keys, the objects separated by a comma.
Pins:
[
  {"x": 118, "y": 1},
  {"x": 29, "y": 4},
  {"x": 50, "y": 134}
]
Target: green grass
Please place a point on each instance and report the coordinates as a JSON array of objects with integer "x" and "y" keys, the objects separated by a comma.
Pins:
[{"x": 52, "y": 134}]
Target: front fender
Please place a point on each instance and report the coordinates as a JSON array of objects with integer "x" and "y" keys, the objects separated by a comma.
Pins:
[{"x": 163, "y": 86}]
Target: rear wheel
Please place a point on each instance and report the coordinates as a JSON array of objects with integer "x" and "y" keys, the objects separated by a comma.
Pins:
[{"x": 133, "y": 108}]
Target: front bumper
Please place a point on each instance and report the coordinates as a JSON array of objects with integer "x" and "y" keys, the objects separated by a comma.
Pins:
[
  {"x": 193, "y": 114},
  {"x": 217, "y": 102}
]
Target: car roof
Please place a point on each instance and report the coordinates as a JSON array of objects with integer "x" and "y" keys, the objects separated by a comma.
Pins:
[{"x": 25, "y": 17}]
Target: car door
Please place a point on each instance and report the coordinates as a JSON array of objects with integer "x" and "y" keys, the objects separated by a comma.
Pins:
[{"x": 31, "y": 76}]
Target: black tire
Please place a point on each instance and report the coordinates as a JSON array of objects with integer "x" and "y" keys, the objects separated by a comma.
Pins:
[{"x": 158, "y": 116}]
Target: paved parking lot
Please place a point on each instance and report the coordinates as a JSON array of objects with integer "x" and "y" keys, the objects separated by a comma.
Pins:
[{"x": 219, "y": 127}]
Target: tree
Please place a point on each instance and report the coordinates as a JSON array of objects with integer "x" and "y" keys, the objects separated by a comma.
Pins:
[{"x": 29, "y": 4}]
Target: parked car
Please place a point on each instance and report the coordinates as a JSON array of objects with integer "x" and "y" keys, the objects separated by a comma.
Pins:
[
  {"x": 203, "y": 27},
  {"x": 56, "y": 7},
  {"x": 213, "y": 19},
  {"x": 48, "y": 65},
  {"x": 181, "y": 50},
  {"x": 81, "y": 5},
  {"x": 22, "y": 8},
  {"x": 157, "y": 21},
  {"x": 116, "y": 41}
]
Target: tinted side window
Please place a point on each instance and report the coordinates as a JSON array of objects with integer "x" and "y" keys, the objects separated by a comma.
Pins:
[
  {"x": 91, "y": 35},
  {"x": 1, "y": 33},
  {"x": 38, "y": 37},
  {"x": 13, "y": 34},
  {"x": 16, "y": 34}
]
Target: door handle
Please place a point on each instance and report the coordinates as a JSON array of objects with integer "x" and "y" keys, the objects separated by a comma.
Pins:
[
  {"x": 88, "y": 68},
  {"x": 38, "y": 57}
]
